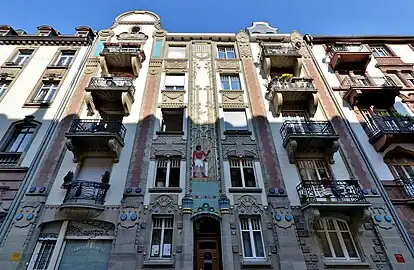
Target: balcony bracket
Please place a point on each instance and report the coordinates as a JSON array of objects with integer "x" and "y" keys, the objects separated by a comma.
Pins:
[
  {"x": 72, "y": 148},
  {"x": 136, "y": 65},
  {"x": 291, "y": 149},
  {"x": 116, "y": 147},
  {"x": 313, "y": 104},
  {"x": 90, "y": 106},
  {"x": 330, "y": 151},
  {"x": 267, "y": 65},
  {"x": 126, "y": 102},
  {"x": 104, "y": 66},
  {"x": 277, "y": 103},
  {"x": 312, "y": 216}
]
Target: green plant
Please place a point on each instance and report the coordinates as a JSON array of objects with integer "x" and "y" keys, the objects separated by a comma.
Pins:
[
  {"x": 303, "y": 198},
  {"x": 286, "y": 77},
  {"x": 105, "y": 177}
]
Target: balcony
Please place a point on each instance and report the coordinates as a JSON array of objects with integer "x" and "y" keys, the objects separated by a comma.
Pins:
[
  {"x": 9, "y": 158},
  {"x": 84, "y": 194},
  {"x": 95, "y": 136},
  {"x": 406, "y": 190},
  {"x": 349, "y": 56},
  {"x": 378, "y": 91},
  {"x": 278, "y": 56},
  {"x": 121, "y": 58},
  {"x": 111, "y": 95},
  {"x": 295, "y": 91},
  {"x": 383, "y": 131},
  {"x": 302, "y": 136},
  {"x": 332, "y": 196}
]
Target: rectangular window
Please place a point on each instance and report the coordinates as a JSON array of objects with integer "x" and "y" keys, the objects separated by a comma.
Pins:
[
  {"x": 174, "y": 82},
  {"x": 235, "y": 120},
  {"x": 22, "y": 57},
  {"x": 252, "y": 240},
  {"x": 230, "y": 82},
  {"x": 162, "y": 236},
  {"x": 43, "y": 253},
  {"x": 395, "y": 79},
  {"x": 242, "y": 172},
  {"x": 46, "y": 92},
  {"x": 313, "y": 169},
  {"x": 336, "y": 240},
  {"x": 168, "y": 172},
  {"x": 405, "y": 175},
  {"x": 4, "y": 85},
  {"x": 409, "y": 77},
  {"x": 226, "y": 52},
  {"x": 65, "y": 58},
  {"x": 380, "y": 51},
  {"x": 3, "y": 32},
  {"x": 176, "y": 52},
  {"x": 20, "y": 139},
  {"x": 172, "y": 120}
]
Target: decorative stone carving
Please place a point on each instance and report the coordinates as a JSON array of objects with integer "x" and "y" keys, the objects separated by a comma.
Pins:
[
  {"x": 92, "y": 65},
  {"x": 176, "y": 65},
  {"x": 71, "y": 147},
  {"x": 282, "y": 216},
  {"x": 240, "y": 146},
  {"x": 243, "y": 43},
  {"x": 107, "y": 33},
  {"x": 168, "y": 146},
  {"x": 27, "y": 214},
  {"x": 297, "y": 42},
  {"x": 155, "y": 66},
  {"x": 331, "y": 151},
  {"x": 129, "y": 217},
  {"x": 163, "y": 205},
  {"x": 136, "y": 37},
  {"x": 80, "y": 213},
  {"x": 291, "y": 149},
  {"x": 172, "y": 96},
  {"x": 232, "y": 66},
  {"x": 262, "y": 28},
  {"x": 159, "y": 33},
  {"x": 232, "y": 96},
  {"x": 247, "y": 205},
  {"x": 312, "y": 215},
  {"x": 115, "y": 146}
]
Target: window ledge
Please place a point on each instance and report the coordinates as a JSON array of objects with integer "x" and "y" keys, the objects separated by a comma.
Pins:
[
  {"x": 345, "y": 264},
  {"x": 169, "y": 132},
  {"x": 245, "y": 190},
  {"x": 165, "y": 190},
  {"x": 58, "y": 67},
  {"x": 34, "y": 104},
  {"x": 256, "y": 264},
  {"x": 237, "y": 132},
  {"x": 158, "y": 263}
]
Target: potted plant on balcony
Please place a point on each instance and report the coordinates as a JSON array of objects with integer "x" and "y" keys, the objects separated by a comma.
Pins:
[
  {"x": 303, "y": 199},
  {"x": 105, "y": 177}
]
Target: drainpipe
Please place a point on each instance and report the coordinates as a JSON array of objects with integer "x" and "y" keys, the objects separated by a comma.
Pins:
[
  {"x": 367, "y": 162},
  {"x": 38, "y": 158}
]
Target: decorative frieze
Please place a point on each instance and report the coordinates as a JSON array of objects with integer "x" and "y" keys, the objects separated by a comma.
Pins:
[
  {"x": 228, "y": 65},
  {"x": 175, "y": 65}
]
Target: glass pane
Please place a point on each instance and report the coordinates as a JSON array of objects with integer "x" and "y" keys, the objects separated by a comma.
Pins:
[
  {"x": 247, "y": 245},
  {"x": 85, "y": 254},
  {"x": 225, "y": 83},
  {"x": 231, "y": 54},
  {"x": 222, "y": 54},
  {"x": 236, "y": 179},
  {"x": 174, "y": 177},
  {"x": 324, "y": 244},
  {"x": 249, "y": 177},
  {"x": 160, "y": 177},
  {"x": 235, "y": 83},
  {"x": 349, "y": 245},
  {"x": 258, "y": 244},
  {"x": 336, "y": 245},
  {"x": 166, "y": 250},
  {"x": 156, "y": 242},
  {"x": 44, "y": 255}
]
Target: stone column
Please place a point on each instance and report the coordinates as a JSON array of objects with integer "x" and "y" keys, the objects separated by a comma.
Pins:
[
  {"x": 187, "y": 259},
  {"x": 226, "y": 239}
]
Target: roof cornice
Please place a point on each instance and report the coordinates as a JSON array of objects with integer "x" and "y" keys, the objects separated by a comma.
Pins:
[
  {"x": 364, "y": 39},
  {"x": 45, "y": 40}
]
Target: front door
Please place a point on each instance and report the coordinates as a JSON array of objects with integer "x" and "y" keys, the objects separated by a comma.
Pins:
[{"x": 208, "y": 257}]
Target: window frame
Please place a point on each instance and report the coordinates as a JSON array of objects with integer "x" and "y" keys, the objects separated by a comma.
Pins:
[
  {"x": 40, "y": 87},
  {"x": 175, "y": 86},
  {"x": 228, "y": 78},
  {"x": 226, "y": 47},
  {"x": 251, "y": 238},
  {"x": 169, "y": 161},
  {"x": 301, "y": 164},
  {"x": 25, "y": 60},
  {"x": 4, "y": 87},
  {"x": 161, "y": 127},
  {"x": 176, "y": 46},
  {"x": 337, "y": 230},
  {"x": 163, "y": 228},
  {"x": 241, "y": 167},
  {"x": 242, "y": 110},
  {"x": 68, "y": 54},
  {"x": 380, "y": 51}
]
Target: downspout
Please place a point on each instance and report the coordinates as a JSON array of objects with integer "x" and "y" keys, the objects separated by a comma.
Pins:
[
  {"x": 367, "y": 162},
  {"x": 39, "y": 156}
]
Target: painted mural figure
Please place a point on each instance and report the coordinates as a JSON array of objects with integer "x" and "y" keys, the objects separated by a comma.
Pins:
[{"x": 199, "y": 158}]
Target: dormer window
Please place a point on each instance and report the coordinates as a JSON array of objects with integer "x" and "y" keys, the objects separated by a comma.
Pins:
[
  {"x": 4, "y": 32},
  {"x": 82, "y": 34},
  {"x": 44, "y": 33}
]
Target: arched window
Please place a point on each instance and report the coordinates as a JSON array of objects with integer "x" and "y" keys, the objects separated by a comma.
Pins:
[
  {"x": 336, "y": 239},
  {"x": 135, "y": 29}
]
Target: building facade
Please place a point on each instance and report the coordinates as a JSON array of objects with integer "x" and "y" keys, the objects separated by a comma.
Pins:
[
  {"x": 203, "y": 151},
  {"x": 37, "y": 76}
]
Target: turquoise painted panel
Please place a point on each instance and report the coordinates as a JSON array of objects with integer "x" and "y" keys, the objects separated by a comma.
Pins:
[
  {"x": 157, "y": 49},
  {"x": 205, "y": 192},
  {"x": 99, "y": 48}
]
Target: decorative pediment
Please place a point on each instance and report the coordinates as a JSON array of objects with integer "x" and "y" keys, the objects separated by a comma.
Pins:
[
  {"x": 163, "y": 205},
  {"x": 247, "y": 205},
  {"x": 138, "y": 37},
  {"x": 168, "y": 145},
  {"x": 172, "y": 105},
  {"x": 239, "y": 145},
  {"x": 53, "y": 74}
]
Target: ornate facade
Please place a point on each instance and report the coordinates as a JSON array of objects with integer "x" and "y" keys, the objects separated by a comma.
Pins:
[{"x": 203, "y": 151}]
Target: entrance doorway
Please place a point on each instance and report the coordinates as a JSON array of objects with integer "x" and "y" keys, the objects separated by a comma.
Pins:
[{"x": 207, "y": 244}]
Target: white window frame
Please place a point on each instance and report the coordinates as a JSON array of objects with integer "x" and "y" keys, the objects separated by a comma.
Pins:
[
  {"x": 226, "y": 49},
  {"x": 4, "y": 86},
  {"x": 174, "y": 86},
  {"x": 316, "y": 165},
  {"x": 409, "y": 77},
  {"x": 162, "y": 120},
  {"x": 228, "y": 78},
  {"x": 380, "y": 51},
  {"x": 48, "y": 90},
  {"x": 242, "y": 163},
  {"x": 251, "y": 236},
  {"x": 163, "y": 228},
  {"x": 168, "y": 163},
  {"x": 24, "y": 56},
  {"x": 408, "y": 187},
  {"x": 235, "y": 129},
  {"x": 176, "y": 46},
  {"x": 67, "y": 57},
  {"x": 37, "y": 252},
  {"x": 338, "y": 232}
]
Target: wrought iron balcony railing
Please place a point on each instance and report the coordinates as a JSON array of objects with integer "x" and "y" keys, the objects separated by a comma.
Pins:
[
  {"x": 388, "y": 124},
  {"x": 85, "y": 192},
  {"x": 93, "y": 126},
  {"x": 386, "y": 81},
  {"x": 306, "y": 128},
  {"x": 120, "y": 49},
  {"x": 292, "y": 84},
  {"x": 279, "y": 50},
  {"x": 9, "y": 158},
  {"x": 348, "y": 48},
  {"x": 314, "y": 191},
  {"x": 112, "y": 82},
  {"x": 407, "y": 186}
]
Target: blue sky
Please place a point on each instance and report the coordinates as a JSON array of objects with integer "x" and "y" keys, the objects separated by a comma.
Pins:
[{"x": 325, "y": 17}]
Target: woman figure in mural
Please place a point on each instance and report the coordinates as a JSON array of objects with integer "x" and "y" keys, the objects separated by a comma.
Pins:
[{"x": 199, "y": 157}]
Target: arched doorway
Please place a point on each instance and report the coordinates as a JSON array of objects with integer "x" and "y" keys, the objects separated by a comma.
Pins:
[{"x": 207, "y": 243}]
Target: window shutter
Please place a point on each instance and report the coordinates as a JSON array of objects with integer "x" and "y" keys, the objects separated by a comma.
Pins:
[
  {"x": 176, "y": 52},
  {"x": 93, "y": 168},
  {"x": 174, "y": 80},
  {"x": 235, "y": 120}
]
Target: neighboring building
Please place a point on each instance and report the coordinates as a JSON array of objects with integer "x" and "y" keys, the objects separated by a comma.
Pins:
[
  {"x": 202, "y": 151},
  {"x": 37, "y": 76},
  {"x": 371, "y": 81}
]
